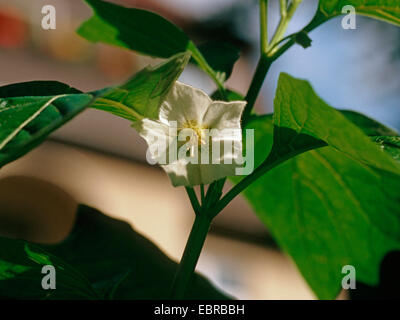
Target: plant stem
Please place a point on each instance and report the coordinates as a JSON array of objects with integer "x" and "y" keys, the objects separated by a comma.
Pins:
[
  {"x": 211, "y": 202},
  {"x": 271, "y": 161},
  {"x": 203, "y": 64},
  {"x": 264, "y": 25},
  {"x": 202, "y": 194},
  {"x": 286, "y": 16},
  {"x": 283, "y": 5},
  {"x": 190, "y": 256},
  {"x": 269, "y": 53},
  {"x": 193, "y": 200},
  {"x": 261, "y": 71}
]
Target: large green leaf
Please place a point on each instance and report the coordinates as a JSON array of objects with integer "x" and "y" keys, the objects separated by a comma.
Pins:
[
  {"x": 144, "y": 32},
  {"x": 136, "y": 29},
  {"x": 385, "y": 10},
  {"x": 300, "y": 110},
  {"x": 36, "y": 88},
  {"x": 21, "y": 274},
  {"x": 142, "y": 95},
  {"x": 369, "y": 126},
  {"x": 332, "y": 206},
  {"x": 30, "y": 111},
  {"x": 118, "y": 262},
  {"x": 106, "y": 250}
]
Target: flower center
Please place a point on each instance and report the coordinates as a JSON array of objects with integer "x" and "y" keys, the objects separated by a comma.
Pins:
[{"x": 197, "y": 130}]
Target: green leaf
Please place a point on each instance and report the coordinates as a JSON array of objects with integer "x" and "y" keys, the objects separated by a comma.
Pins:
[
  {"x": 25, "y": 121},
  {"x": 36, "y": 88},
  {"x": 389, "y": 144},
  {"x": 385, "y": 10},
  {"x": 142, "y": 95},
  {"x": 119, "y": 262},
  {"x": 102, "y": 258},
  {"x": 300, "y": 110},
  {"x": 136, "y": 29},
  {"x": 221, "y": 57},
  {"x": 21, "y": 274},
  {"x": 329, "y": 207},
  {"x": 369, "y": 126},
  {"x": 386, "y": 138},
  {"x": 144, "y": 32}
]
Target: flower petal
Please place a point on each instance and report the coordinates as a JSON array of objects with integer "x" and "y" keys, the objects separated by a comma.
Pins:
[
  {"x": 157, "y": 137},
  {"x": 183, "y": 173},
  {"x": 221, "y": 115},
  {"x": 184, "y": 103},
  {"x": 214, "y": 172}
]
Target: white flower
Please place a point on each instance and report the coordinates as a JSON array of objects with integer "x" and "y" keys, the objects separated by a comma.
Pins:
[{"x": 188, "y": 133}]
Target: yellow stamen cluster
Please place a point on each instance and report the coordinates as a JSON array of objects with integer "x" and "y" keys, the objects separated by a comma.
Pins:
[{"x": 197, "y": 129}]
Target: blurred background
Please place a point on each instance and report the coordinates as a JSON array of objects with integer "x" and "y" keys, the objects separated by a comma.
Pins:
[{"x": 100, "y": 160}]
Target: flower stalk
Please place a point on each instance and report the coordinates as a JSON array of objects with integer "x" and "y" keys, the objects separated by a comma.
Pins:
[
  {"x": 211, "y": 202},
  {"x": 190, "y": 256}
]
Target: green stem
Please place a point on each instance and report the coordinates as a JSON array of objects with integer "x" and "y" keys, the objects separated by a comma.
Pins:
[
  {"x": 261, "y": 72},
  {"x": 212, "y": 199},
  {"x": 190, "y": 256},
  {"x": 193, "y": 199},
  {"x": 264, "y": 25},
  {"x": 214, "y": 193},
  {"x": 120, "y": 105},
  {"x": 267, "y": 165},
  {"x": 283, "y": 5},
  {"x": 202, "y": 197},
  {"x": 203, "y": 64},
  {"x": 271, "y": 161},
  {"x": 286, "y": 16}
]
